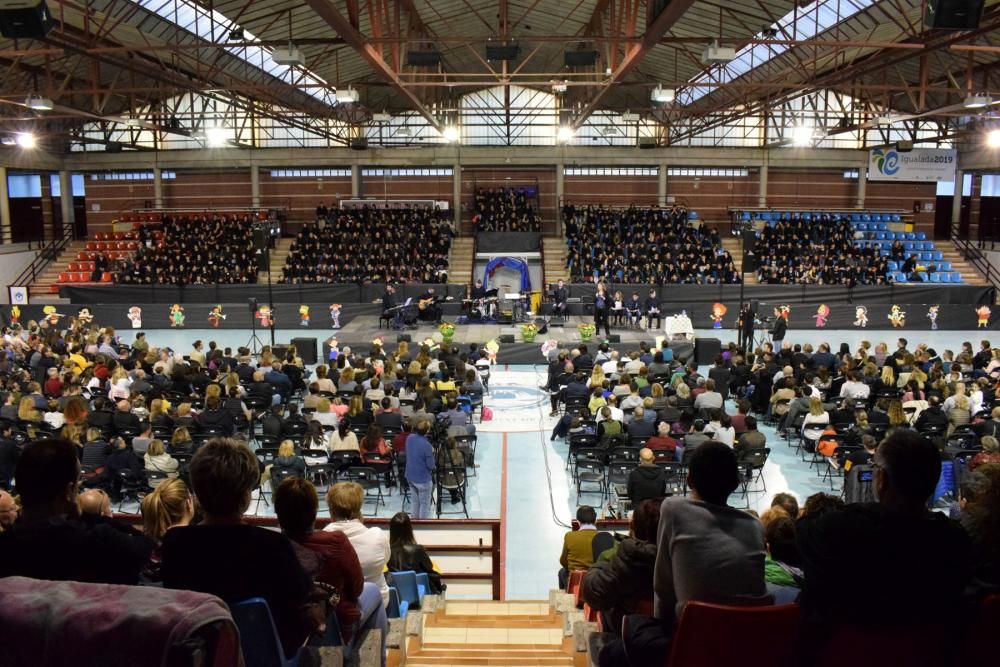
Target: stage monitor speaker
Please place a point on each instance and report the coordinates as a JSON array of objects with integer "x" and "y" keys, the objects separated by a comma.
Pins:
[
  {"x": 706, "y": 350},
  {"x": 496, "y": 52},
  {"x": 25, "y": 19},
  {"x": 507, "y": 338},
  {"x": 580, "y": 58},
  {"x": 404, "y": 338},
  {"x": 954, "y": 14},
  {"x": 359, "y": 144},
  {"x": 307, "y": 349},
  {"x": 279, "y": 352},
  {"x": 614, "y": 338},
  {"x": 543, "y": 326}
]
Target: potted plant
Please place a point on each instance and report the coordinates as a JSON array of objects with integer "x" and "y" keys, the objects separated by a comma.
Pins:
[
  {"x": 587, "y": 330},
  {"x": 528, "y": 332},
  {"x": 447, "y": 330}
]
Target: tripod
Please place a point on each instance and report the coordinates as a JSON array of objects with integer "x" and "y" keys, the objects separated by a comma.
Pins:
[{"x": 255, "y": 343}]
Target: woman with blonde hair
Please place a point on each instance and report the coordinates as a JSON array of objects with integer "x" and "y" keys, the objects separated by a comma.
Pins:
[
  {"x": 897, "y": 416},
  {"x": 170, "y": 505},
  {"x": 157, "y": 460},
  {"x": 181, "y": 442},
  {"x": 596, "y": 378},
  {"x": 233, "y": 380},
  {"x": 345, "y": 499},
  {"x": 287, "y": 460},
  {"x": 120, "y": 383},
  {"x": 26, "y": 410},
  {"x": 213, "y": 390},
  {"x": 959, "y": 414},
  {"x": 323, "y": 414},
  {"x": 816, "y": 416},
  {"x": 324, "y": 382},
  {"x": 357, "y": 414},
  {"x": 266, "y": 357},
  {"x": 158, "y": 414},
  {"x": 347, "y": 382}
]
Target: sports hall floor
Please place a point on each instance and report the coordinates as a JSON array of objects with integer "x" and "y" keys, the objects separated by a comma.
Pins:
[{"x": 522, "y": 475}]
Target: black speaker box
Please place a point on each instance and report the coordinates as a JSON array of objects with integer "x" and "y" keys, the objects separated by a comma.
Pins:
[
  {"x": 580, "y": 58},
  {"x": 502, "y": 52},
  {"x": 506, "y": 338},
  {"x": 614, "y": 338},
  {"x": 25, "y": 19},
  {"x": 252, "y": 304},
  {"x": 307, "y": 349},
  {"x": 359, "y": 144},
  {"x": 543, "y": 326},
  {"x": 403, "y": 337},
  {"x": 423, "y": 58},
  {"x": 706, "y": 350},
  {"x": 954, "y": 14},
  {"x": 260, "y": 238},
  {"x": 279, "y": 352}
]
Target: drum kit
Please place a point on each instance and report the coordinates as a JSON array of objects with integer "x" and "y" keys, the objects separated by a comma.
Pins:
[{"x": 482, "y": 310}]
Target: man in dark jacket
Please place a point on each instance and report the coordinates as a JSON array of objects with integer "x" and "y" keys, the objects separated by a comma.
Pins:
[
  {"x": 621, "y": 581},
  {"x": 124, "y": 420},
  {"x": 215, "y": 417},
  {"x": 648, "y": 480},
  {"x": 933, "y": 417}
]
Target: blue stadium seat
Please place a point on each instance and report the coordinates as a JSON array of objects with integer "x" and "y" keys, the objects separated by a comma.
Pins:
[
  {"x": 921, "y": 236},
  {"x": 807, "y": 217},
  {"x": 880, "y": 236},
  {"x": 692, "y": 215},
  {"x": 899, "y": 277},
  {"x": 935, "y": 277},
  {"x": 908, "y": 246},
  {"x": 855, "y": 217},
  {"x": 896, "y": 217},
  {"x": 861, "y": 227},
  {"x": 877, "y": 217},
  {"x": 926, "y": 256},
  {"x": 884, "y": 253},
  {"x": 893, "y": 265},
  {"x": 883, "y": 227},
  {"x": 945, "y": 277},
  {"x": 866, "y": 217},
  {"x": 258, "y": 636},
  {"x": 910, "y": 236},
  {"x": 396, "y": 608},
  {"x": 409, "y": 590},
  {"x": 765, "y": 215},
  {"x": 956, "y": 277},
  {"x": 944, "y": 266},
  {"x": 744, "y": 215}
]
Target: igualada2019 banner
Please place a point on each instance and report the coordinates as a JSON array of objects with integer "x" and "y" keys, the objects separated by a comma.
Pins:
[{"x": 919, "y": 164}]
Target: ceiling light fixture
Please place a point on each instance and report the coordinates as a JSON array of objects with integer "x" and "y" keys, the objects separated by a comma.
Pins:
[
  {"x": 26, "y": 140},
  {"x": 662, "y": 95},
  {"x": 216, "y": 137},
  {"x": 993, "y": 138},
  {"x": 38, "y": 103},
  {"x": 802, "y": 135},
  {"x": 977, "y": 101},
  {"x": 349, "y": 96},
  {"x": 565, "y": 133},
  {"x": 450, "y": 134}
]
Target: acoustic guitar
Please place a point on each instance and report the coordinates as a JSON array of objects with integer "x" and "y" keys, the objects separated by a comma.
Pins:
[{"x": 423, "y": 303}]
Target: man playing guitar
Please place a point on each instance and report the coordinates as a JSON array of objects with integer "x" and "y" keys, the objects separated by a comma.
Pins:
[
  {"x": 559, "y": 297},
  {"x": 428, "y": 306}
]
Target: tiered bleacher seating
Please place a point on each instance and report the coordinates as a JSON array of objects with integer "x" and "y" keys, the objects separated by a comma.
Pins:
[{"x": 872, "y": 231}]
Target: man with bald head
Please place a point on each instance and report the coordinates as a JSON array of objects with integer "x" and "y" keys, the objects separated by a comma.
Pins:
[
  {"x": 648, "y": 480},
  {"x": 8, "y": 511},
  {"x": 124, "y": 420},
  {"x": 94, "y": 503}
]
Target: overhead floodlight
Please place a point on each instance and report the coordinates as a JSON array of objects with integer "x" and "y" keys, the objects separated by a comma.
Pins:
[
  {"x": 802, "y": 135},
  {"x": 26, "y": 140},
  {"x": 8, "y": 140},
  {"x": 993, "y": 138},
  {"x": 883, "y": 120},
  {"x": 404, "y": 132},
  {"x": 977, "y": 101},
  {"x": 565, "y": 133},
  {"x": 381, "y": 117},
  {"x": 216, "y": 136},
  {"x": 38, "y": 103},
  {"x": 348, "y": 96},
  {"x": 662, "y": 95},
  {"x": 559, "y": 87},
  {"x": 236, "y": 35},
  {"x": 450, "y": 133}
]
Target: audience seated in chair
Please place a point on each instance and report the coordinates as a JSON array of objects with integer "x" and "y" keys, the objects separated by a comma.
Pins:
[{"x": 577, "y": 550}]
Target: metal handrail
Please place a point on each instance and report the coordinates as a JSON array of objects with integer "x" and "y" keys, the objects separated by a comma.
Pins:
[
  {"x": 975, "y": 256},
  {"x": 46, "y": 254}
]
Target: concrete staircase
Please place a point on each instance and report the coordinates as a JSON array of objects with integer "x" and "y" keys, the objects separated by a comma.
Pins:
[
  {"x": 279, "y": 256},
  {"x": 554, "y": 258},
  {"x": 970, "y": 275},
  {"x": 460, "y": 634},
  {"x": 731, "y": 244},
  {"x": 461, "y": 260}
]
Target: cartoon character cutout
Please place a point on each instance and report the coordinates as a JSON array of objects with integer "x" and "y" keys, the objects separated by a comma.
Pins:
[
  {"x": 932, "y": 315},
  {"x": 822, "y": 315},
  {"x": 84, "y": 316},
  {"x": 215, "y": 316},
  {"x": 304, "y": 316},
  {"x": 983, "y": 317},
  {"x": 51, "y": 315},
  {"x": 264, "y": 315},
  {"x": 176, "y": 315},
  {"x": 334, "y": 349},
  {"x": 335, "y": 315},
  {"x": 897, "y": 317},
  {"x": 718, "y": 311},
  {"x": 860, "y": 316},
  {"x": 15, "y": 314},
  {"x": 135, "y": 317},
  {"x": 492, "y": 347}
]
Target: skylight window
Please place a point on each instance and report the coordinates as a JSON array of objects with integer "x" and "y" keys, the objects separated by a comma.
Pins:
[
  {"x": 212, "y": 26},
  {"x": 806, "y": 23}
]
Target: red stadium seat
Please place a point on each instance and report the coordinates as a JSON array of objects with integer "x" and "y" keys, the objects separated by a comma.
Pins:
[
  {"x": 755, "y": 636},
  {"x": 136, "y": 226},
  {"x": 81, "y": 255},
  {"x": 925, "y": 644},
  {"x": 99, "y": 236},
  {"x": 119, "y": 236},
  {"x": 106, "y": 277},
  {"x": 64, "y": 277},
  {"x": 91, "y": 245},
  {"x": 132, "y": 246},
  {"x": 73, "y": 266},
  {"x": 82, "y": 277}
]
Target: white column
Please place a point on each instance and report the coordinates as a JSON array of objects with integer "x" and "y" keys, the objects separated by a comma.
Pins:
[
  {"x": 560, "y": 191},
  {"x": 956, "y": 201},
  {"x": 862, "y": 185},
  {"x": 355, "y": 181},
  {"x": 762, "y": 192},
  {"x": 157, "y": 188},
  {"x": 254, "y": 186},
  {"x": 66, "y": 197},
  {"x": 5, "y": 231},
  {"x": 661, "y": 184}
]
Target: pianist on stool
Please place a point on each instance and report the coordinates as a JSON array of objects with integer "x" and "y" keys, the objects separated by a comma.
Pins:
[
  {"x": 388, "y": 299},
  {"x": 430, "y": 311},
  {"x": 652, "y": 306},
  {"x": 559, "y": 296}
]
